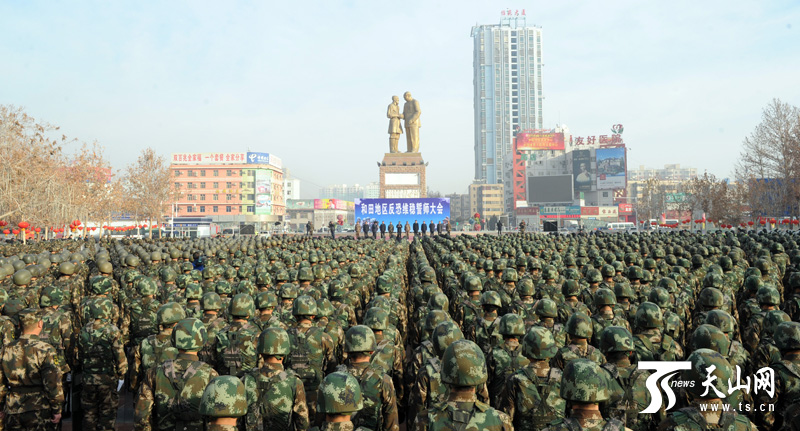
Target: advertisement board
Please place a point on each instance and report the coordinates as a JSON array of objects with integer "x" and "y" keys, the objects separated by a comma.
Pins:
[
  {"x": 330, "y": 204},
  {"x": 207, "y": 158},
  {"x": 263, "y": 193},
  {"x": 540, "y": 141},
  {"x": 254, "y": 158},
  {"x": 527, "y": 211},
  {"x": 299, "y": 204},
  {"x": 610, "y": 168},
  {"x": 572, "y": 211},
  {"x": 403, "y": 210},
  {"x": 626, "y": 209},
  {"x": 550, "y": 189},
  {"x": 582, "y": 170}
]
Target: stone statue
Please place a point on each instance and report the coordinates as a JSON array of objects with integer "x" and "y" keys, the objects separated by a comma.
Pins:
[
  {"x": 395, "y": 127},
  {"x": 411, "y": 113}
]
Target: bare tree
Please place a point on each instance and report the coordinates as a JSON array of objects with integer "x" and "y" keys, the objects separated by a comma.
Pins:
[
  {"x": 770, "y": 161},
  {"x": 149, "y": 186},
  {"x": 652, "y": 202}
]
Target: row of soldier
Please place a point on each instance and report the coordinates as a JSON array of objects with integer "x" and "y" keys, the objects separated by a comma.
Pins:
[{"x": 491, "y": 332}]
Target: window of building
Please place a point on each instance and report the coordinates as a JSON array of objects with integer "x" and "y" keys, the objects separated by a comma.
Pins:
[
  {"x": 216, "y": 173},
  {"x": 188, "y": 208},
  {"x": 229, "y": 172},
  {"x": 228, "y": 209},
  {"x": 202, "y": 208},
  {"x": 177, "y": 185},
  {"x": 202, "y": 172},
  {"x": 215, "y": 197},
  {"x": 241, "y": 172},
  {"x": 228, "y": 185},
  {"x": 177, "y": 172},
  {"x": 202, "y": 185},
  {"x": 202, "y": 197},
  {"x": 251, "y": 209},
  {"x": 251, "y": 197},
  {"x": 216, "y": 185},
  {"x": 240, "y": 208},
  {"x": 215, "y": 208},
  {"x": 605, "y": 194},
  {"x": 228, "y": 197}
]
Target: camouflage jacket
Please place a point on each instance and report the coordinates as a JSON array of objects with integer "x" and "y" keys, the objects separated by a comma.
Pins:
[
  {"x": 466, "y": 414},
  {"x": 30, "y": 378},
  {"x": 276, "y": 400},
  {"x": 170, "y": 394},
  {"x": 629, "y": 396},
  {"x": 574, "y": 351},
  {"x": 502, "y": 362},
  {"x": 236, "y": 349},
  {"x": 690, "y": 419},
  {"x": 380, "y": 405},
  {"x": 786, "y": 397},
  {"x": 593, "y": 423},
  {"x": 101, "y": 353},
  {"x": 533, "y": 401},
  {"x": 57, "y": 331}
]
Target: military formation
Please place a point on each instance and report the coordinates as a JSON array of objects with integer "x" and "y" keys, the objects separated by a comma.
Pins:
[{"x": 520, "y": 331}]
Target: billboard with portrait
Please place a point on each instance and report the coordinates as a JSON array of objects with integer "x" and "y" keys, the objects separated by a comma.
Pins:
[
  {"x": 263, "y": 193},
  {"x": 583, "y": 176},
  {"x": 611, "y": 168},
  {"x": 403, "y": 210}
]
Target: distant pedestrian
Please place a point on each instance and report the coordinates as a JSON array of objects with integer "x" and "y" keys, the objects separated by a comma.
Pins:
[
  {"x": 416, "y": 228},
  {"x": 432, "y": 228},
  {"x": 357, "y": 230},
  {"x": 408, "y": 230},
  {"x": 332, "y": 228},
  {"x": 499, "y": 227}
]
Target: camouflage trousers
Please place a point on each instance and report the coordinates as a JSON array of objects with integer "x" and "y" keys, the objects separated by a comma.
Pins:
[
  {"x": 99, "y": 404},
  {"x": 36, "y": 420}
]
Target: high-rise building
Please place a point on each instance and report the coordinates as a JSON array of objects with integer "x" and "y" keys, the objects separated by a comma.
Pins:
[
  {"x": 507, "y": 77},
  {"x": 342, "y": 192},
  {"x": 372, "y": 190}
]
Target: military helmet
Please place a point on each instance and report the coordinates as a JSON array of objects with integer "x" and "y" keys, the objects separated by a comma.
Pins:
[
  {"x": 579, "y": 325},
  {"x": 539, "y": 344},
  {"x": 194, "y": 291},
  {"x": 707, "y": 336},
  {"x": 701, "y": 372},
  {"x": 383, "y": 284},
  {"x": 224, "y": 397},
  {"x": 546, "y": 308},
  {"x": 511, "y": 324},
  {"x": 438, "y": 301},
  {"x": 355, "y": 271},
  {"x": 711, "y": 297},
  {"x": 472, "y": 283},
  {"x": 584, "y": 381},
  {"x": 241, "y": 305},
  {"x": 274, "y": 342},
  {"x": 170, "y": 313},
  {"x": 570, "y": 288},
  {"x": 616, "y": 339},
  {"x": 146, "y": 286},
  {"x": 304, "y": 306},
  {"x": 223, "y": 287},
  {"x": 359, "y": 339},
  {"x": 549, "y": 273},
  {"x": 623, "y": 290},
  {"x": 376, "y": 318},
  {"x": 768, "y": 295},
  {"x": 463, "y": 364},
  {"x": 189, "y": 334},
  {"x": 445, "y": 334},
  {"x": 427, "y": 275},
  {"x": 288, "y": 291},
  {"x": 66, "y": 268},
  {"x": 660, "y": 297},
  {"x": 339, "y": 393},
  {"x": 525, "y": 287},
  {"x": 266, "y": 300},
  {"x": 99, "y": 308},
  {"x": 772, "y": 319},
  {"x": 721, "y": 319},
  {"x": 607, "y": 271},
  {"x": 305, "y": 274},
  {"x": 649, "y": 316},
  {"x": 263, "y": 279},
  {"x": 211, "y": 301},
  {"x": 510, "y": 275},
  {"x": 603, "y": 297},
  {"x": 594, "y": 276},
  {"x": 187, "y": 266},
  {"x": 167, "y": 274},
  {"x": 491, "y": 298},
  {"x": 434, "y": 318},
  {"x": 22, "y": 277},
  {"x": 787, "y": 336}
]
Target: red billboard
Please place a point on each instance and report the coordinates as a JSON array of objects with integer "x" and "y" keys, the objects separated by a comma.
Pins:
[
  {"x": 626, "y": 209},
  {"x": 590, "y": 211},
  {"x": 528, "y": 211},
  {"x": 540, "y": 141}
]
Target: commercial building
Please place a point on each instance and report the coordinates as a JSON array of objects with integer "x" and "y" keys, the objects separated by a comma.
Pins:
[
  {"x": 228, "y": 189},
  {"x": 320, "y": 212},
  {"x": 660, "y": 191},
  {"x": 486, "y": 200},
  {"x": 459, "y": 206},
  {"x": 507, "y": 77},
  {"x": 342, "y": 192},
  {"x": 372, "y": 190},
  {"x": 291, "y": 186}
]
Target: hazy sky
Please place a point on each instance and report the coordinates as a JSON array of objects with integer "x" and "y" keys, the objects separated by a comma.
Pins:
[{"x": 310, "y": 81}]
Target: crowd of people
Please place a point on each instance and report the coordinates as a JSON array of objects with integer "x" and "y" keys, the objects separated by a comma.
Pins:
[{"x": 520, "y": 331}]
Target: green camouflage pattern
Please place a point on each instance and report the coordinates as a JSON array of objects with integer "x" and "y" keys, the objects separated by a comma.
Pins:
[
  {"x": 339, "y": 393},
  {"x": 225, "y": 396},
  {"x": 463, "y": 364}
]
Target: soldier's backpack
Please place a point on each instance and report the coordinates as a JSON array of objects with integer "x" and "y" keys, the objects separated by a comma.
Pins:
[
  {"x": 186, "y": 417},
  {"x": 543, "y": 413},
  {"x": 143, "y": 319},
  {"x": 307, "y": 368},
  {"x": 611, "y": 425}
]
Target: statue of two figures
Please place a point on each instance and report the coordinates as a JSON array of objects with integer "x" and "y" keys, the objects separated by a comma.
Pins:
[{"x": 411, "y": 113}]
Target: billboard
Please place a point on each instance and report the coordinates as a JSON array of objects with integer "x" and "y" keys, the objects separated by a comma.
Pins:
[
  {"x": 207, "y": 158},
  {"x": 550, "y": 189},
  {"x": 403, "y": 210},
  {"x": 540, "y": 141},
  {"x": 582, "y": 170},
  {"x": 299, "y": 204},
  {"x": 610, "y": 168},
  {"x": 263, "y": 159},
  {"x": 330, "y": 204},
  {"x": 263, "y": 192}
]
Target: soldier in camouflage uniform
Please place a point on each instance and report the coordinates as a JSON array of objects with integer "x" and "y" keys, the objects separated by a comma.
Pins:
[
  {"x": 571, "y": 289},
  {"x": 532, "y": 396},
  {"x": 579, "y": 329},
  {"x": 737, "y": 354},
  {"x": 57, "y": 327},
  {"x": 213, "y": 322},
  {"x": 339, "y": 399},
  {"x": 276, "y": 399},
  {"x": 428, "y": 389},
  {"x": 711, "y": 375},
  {"x": 169, "y": 396},
  {"x": 651, "y": 344},
  {"x": 223, "y": 402},
  {"x": 585, "y": 386},
  {"x": 546, "y": 315},
  {"x": 388, "y": 354},
  {"x": 786, "y": 398},
  {"x": 506, "y": 358},
  {"x": 266, "y": 302},
  {"x": 104, "y": 365},
  {"x": 379, "y": 412},
  {"x": 604, "y": 304},
  {"x": 768, "y": 299},
  {"x": 484, "y": 330},
  {"x": 629, "y": 395},
  {"x": 156, "y": 348},
  {"x": 463, "y": 369},
  {"x": 31, "y": 393},
  {"x": 235, "y": 346}
]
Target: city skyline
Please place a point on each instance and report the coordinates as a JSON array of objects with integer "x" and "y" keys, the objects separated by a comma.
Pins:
[{"x": 309, "y": 82}]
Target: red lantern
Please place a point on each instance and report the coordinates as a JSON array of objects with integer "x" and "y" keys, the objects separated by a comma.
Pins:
[
  {"x": 772, "y": 221},
  {"x": 15, "y": 231},
  {"x": 762, "y": 222},
  {"x": 5, "y": 231},
  {"x": 795, "y": 222},
  {"x": 3, "y": 223},
  {"x": 38, "y": 230},
  {"x": 24, "y": 225}
]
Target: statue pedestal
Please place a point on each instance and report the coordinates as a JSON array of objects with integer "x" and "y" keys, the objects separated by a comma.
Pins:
[{"x": 402, "y": 175}]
